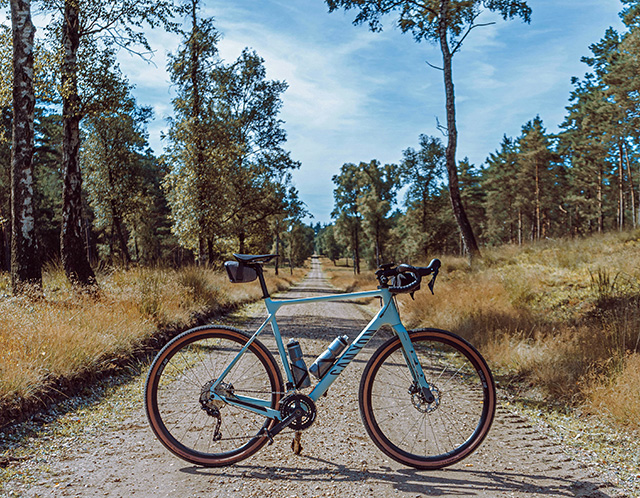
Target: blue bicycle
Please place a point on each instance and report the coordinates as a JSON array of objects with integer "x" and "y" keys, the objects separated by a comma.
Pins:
[{"x": 216, "y": 395}]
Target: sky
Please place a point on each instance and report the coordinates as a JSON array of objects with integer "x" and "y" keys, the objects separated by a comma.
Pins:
[{"x": 355, "y": 95}]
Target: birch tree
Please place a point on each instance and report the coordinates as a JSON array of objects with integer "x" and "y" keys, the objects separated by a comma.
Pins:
[{"x": 26, "y": 269}]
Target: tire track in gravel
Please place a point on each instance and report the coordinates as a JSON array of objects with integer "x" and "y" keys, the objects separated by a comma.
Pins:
[{"x": 114, "y": 453}]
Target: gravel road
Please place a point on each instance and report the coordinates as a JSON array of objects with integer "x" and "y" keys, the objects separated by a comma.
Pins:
[{"x": 105, "y": 447}]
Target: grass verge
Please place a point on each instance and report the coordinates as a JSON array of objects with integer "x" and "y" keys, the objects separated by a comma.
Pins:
[
  {"x": 559, "y": 324},
  {"x": 559, "y": 318},
  {"x": 55, "y": 345}
]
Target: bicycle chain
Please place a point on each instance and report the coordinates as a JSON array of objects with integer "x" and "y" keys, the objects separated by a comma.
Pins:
[{"x": 286, "y": 431}]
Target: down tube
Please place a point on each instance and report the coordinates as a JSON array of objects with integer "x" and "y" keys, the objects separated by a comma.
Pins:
[{"x": 356, "y": 346}]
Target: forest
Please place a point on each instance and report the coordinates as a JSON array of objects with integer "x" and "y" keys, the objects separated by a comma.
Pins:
[
  {"x": 93, "y": 194},
  {"x": 535, "y": 186}
]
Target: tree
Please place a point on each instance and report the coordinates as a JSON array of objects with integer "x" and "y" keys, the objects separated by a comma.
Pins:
[
  {"x": 346, "y": 210},
  {"x": 26, "y": 270},
  {"x": 195, "y": 186},
  {"x": 447, "y": 23},
  {"x": 472, "y": 195},
  {"x": 536, "y": 179},
  {"x": 113, "y": 162},
  {"x": 423, "y": 172},
  {"x": 504, "y": 219},
  {"x": 299, "y": 244},
  {"x": 327, "y": 244},
  {"x": 379, "y": 188},
  {"x": 116, "y": 25},
  {"x": 47, "y": 159},
  {"x": 294, "y": 210},
  {"x": 257, "y": 167}
]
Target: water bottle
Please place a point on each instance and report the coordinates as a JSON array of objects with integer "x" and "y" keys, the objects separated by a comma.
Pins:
[
  {"x": 298, "y": 366},
  {"x": 324, "y": 362}
]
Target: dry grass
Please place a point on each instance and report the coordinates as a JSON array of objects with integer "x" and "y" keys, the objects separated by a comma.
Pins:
[
  {"x": 618, "y": 396},
  {"x": 66, "y": 336},
  {"x": 342, "y": 277},
  {"x": 561, "y": 317}
]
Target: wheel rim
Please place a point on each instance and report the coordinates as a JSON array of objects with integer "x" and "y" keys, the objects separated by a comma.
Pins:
[
  {"x": 177, "y": 382},
  {"x": 410, "y": 430}
]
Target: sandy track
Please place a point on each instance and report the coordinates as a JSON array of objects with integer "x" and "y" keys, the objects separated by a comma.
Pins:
[{"x": 110, "y": 451}]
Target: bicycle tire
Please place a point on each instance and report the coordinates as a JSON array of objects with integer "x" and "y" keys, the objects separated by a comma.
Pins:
[
  {"x": 399, "y": 421},
  {"x": 179, "y": 375}
]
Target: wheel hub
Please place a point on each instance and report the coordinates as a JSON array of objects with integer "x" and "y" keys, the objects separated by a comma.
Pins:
[
  {"x": 209, "y": 404},
  {"x": 419, "y": 401}
]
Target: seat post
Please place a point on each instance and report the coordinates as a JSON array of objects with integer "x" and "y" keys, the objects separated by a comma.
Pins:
[{"x": 263, "y": 284}]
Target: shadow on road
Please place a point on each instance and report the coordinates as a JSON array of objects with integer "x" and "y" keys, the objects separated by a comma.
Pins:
[{"x": 449, "y": 482}]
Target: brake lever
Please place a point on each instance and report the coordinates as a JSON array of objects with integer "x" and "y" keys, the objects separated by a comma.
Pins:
[{"x": 433, "y": 281}]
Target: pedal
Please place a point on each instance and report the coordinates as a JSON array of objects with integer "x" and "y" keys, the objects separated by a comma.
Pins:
[{"x": 296, "y": 444}]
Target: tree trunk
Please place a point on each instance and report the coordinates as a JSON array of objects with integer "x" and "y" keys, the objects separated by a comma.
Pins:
[
  {"x": 620, "y": 188},
  {"x": 277, "y": 244},
  {"x": 122, "y": 241},
  {"x": 209, "y": 252},
  {"x": 520, "y": 226},
  {"x": 466, "y": 231},
  {"x": 631, "y": 186},
  {"x": 600, "y": 201},
  {"x": 74, "y": 258},
  {"x": 356, "y": 255},
  {"x": 241, "y": 237},
  {"x": 5, "y": 247},
  {"x": 538, "y": 221},
  {"x": 201, "y": 250},
  {"x": 26, "y": 270}
]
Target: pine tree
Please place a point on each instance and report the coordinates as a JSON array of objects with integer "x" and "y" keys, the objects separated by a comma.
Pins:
[{"x": 446, "y": 23}]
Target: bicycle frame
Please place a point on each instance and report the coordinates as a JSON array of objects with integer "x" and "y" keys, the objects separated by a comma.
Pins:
[{"x": 388, "y": 315}]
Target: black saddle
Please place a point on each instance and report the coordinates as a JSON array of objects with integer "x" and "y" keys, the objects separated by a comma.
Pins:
[{"x": 248, "y": 258}]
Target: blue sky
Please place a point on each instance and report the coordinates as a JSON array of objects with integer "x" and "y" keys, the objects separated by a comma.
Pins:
[{"x": 355, "y": 95}]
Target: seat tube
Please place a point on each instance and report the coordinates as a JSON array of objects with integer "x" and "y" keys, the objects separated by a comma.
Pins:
[{"x": 272, "y": 308}]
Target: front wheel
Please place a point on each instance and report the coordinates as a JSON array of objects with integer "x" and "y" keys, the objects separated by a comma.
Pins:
[{"x": 401, "y": 422}]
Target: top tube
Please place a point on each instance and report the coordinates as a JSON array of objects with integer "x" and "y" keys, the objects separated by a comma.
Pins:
[{"x": 275, "y": 305}]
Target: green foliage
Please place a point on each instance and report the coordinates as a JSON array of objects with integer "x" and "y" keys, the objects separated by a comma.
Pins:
[
  {"x": 299, "y": 243},
  {"x": 364, "y": 196},
  {"x": 327, "y": 244},
  {"x": 116, "y": 171},
  {"x": 421, "y": 18},
  {"x": 229, "y": 175}
]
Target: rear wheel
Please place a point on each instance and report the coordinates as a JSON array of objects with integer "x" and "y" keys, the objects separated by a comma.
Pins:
[
  {"x": 179, "y": 406},
  {"x": 399, "y": 419}
]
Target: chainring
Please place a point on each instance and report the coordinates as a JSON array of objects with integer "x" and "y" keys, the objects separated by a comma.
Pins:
[{"x": 290, "y": 403}]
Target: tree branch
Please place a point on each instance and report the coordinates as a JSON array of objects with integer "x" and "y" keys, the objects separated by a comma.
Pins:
[
  {"x": 459, "y": 44},
  {"x": 434, "y": 67},
  {"x": 443, "y": 129}
]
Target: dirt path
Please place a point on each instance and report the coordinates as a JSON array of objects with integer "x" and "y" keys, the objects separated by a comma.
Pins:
[{"x": 107, "y": 449}]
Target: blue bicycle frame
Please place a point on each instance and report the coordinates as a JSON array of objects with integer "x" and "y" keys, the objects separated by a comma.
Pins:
[{"x": 388, "y": 315}]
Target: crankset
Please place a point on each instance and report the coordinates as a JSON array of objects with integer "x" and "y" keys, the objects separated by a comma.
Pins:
[{"x": 301, "y": 407}]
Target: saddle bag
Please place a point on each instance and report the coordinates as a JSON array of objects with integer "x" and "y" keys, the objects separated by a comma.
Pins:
[{"x": 239, "y": 273}]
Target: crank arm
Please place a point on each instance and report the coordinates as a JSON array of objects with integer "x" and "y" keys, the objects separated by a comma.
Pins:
[{"x": 280, "y": 426}]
